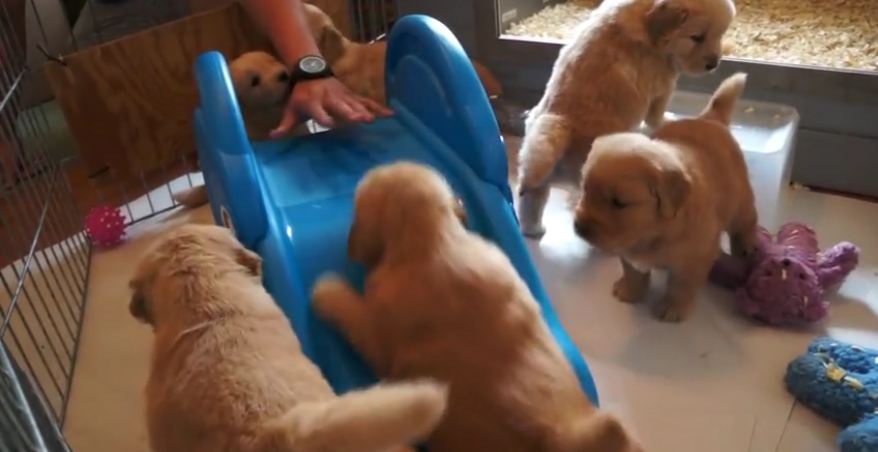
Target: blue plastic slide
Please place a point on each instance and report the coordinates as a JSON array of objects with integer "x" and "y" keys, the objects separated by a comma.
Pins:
[{"x": 292, "y": 200}]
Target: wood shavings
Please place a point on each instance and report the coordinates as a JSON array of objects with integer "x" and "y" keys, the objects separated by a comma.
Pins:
[{"x": 829, "y": 33}]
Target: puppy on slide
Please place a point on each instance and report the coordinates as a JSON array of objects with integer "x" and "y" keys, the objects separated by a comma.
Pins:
[
  {"x": 442, "y": 302},
  {"x": 227, "y": 371},
  {"x": 618, "y": 71},
  {"x": 663, "y": 202}
]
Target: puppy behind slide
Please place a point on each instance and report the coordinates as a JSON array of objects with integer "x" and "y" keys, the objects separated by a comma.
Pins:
[
  {"x": 619, "y": 70},
  {"x": 662, "y": 203},
  {"x": 361, "y": 66},
  {"x": 444, "y": 303},
  {"x": 227, "y": 372}
]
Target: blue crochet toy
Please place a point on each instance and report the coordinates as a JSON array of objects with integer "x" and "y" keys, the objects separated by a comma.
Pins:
[{"x": 840, "y": 382}]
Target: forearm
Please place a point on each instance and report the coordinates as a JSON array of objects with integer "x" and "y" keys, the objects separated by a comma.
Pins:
[{"x": 286, "y": 24}]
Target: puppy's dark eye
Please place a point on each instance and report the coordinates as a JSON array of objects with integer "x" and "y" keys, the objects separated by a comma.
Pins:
[
  {"x": 698, "y": 39},
  {"x": 254, "y": 81},
  {"x": 617, "y": 204}
]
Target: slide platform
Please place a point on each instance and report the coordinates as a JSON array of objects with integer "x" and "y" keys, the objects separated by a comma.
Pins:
[{"x": 291, "y": 200}]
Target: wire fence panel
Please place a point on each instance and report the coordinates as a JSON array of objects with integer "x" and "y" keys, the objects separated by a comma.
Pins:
[
  {"x": 46, "y": 187},
  {"x": 43, "y": 258}
]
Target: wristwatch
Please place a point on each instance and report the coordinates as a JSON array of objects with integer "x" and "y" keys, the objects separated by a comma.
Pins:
[{"x": 310, "y": 67}]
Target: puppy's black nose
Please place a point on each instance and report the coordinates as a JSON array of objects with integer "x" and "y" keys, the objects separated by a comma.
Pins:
[
  {"x": 582, "y": 229},
  {"x": 712, "y": 63}
]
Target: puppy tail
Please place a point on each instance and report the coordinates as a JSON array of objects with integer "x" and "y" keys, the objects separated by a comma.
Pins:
[
  {"x": 382, "y": 417},
  {"x": 598, "y": 431},
  {"x": 723, "y": 101},
  {"x": 546, "y": 139},
  {"x": 192, "y": 197}
]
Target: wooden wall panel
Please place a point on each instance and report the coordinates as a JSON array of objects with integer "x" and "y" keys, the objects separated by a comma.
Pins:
[{"x": 129, "y": 102}]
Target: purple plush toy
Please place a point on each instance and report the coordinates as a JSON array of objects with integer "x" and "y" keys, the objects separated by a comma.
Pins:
[{"x": 787, "y": 280}]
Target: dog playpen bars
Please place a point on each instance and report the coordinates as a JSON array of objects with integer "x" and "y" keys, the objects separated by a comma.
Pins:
[{"x": 44, "y": 253}]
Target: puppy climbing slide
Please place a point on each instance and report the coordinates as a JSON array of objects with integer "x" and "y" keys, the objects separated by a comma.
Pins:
[{"x": 292, "y": 200}]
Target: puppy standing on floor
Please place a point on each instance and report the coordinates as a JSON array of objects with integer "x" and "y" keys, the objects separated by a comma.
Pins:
[
  {"x": 620, "y": 69},
  {"x": 663, "y": 202},
  {"x": 443, "y": 303},
  {"x": 227, "y": 372}
]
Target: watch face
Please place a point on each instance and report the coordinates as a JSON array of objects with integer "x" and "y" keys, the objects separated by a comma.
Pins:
[{"x": 312, "y": 64}]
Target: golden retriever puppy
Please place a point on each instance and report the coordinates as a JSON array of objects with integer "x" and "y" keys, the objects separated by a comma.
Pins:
[
  {"x": 620, "y": 69},
  {"x": 662, "y": 202},
  {"x": 361, "y": 66},
  {"x": 443, "y": 303},
  {"x": 262, "y": 86},
  {"x": 227, "y": 370}
]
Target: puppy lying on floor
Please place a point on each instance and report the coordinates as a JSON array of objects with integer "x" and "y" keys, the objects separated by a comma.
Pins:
[
  {"x": 361, "y": 66},
  {"x": 443, "y": 303},
  {"x": 227, "y": 371},
  {"x": 663, "y": 202},
  {"x": 619, "y": 70}
]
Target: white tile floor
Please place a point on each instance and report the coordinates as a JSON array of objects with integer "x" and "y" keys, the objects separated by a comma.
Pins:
[{"x": 711, "y": 384}]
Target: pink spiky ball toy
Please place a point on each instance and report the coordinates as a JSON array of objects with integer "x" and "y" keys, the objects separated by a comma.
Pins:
[{"x": 105, "y": 226}]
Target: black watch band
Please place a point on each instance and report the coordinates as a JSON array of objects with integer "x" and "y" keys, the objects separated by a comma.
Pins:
[{"x": 310, "y": 67}]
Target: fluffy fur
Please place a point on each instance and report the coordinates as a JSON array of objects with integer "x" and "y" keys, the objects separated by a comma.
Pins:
[
  {"x": 619, "y": 70},
  {"x": 662, "y": 202},
  {"x": 227, "y": 370},
  {"x": 262, "y": 86},
  {"x": 361, "y": 66},
  {"x": 443, "y": 303}
]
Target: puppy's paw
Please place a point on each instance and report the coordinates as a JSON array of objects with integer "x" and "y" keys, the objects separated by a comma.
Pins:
[
  {"x": 530, "y": 206},
  {"x": 533, "y": 230},
  {"x": 329, "y": 294},
  {"x": 670, "y": 310},
  {"x": 628, "y": 292}
]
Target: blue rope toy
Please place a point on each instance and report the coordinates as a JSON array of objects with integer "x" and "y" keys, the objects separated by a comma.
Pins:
[{"x": 840, "y": 382}]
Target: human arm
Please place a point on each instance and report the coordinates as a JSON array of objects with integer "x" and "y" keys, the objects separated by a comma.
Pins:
[{"x": 325, "y": 100}]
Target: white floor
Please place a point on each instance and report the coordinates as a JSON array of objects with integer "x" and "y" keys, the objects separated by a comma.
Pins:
[{"x": 711, "y": 384}]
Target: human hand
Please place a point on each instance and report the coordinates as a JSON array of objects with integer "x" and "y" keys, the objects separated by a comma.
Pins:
[{"x": 328, "y": 102}]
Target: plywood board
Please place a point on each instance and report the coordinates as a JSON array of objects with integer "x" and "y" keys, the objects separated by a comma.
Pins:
[{"x": 129, "y": 102}]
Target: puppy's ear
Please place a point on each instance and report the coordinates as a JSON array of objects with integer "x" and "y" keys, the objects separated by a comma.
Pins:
[
  {"x": 665, "y": 17},
  {"x": 138, "y": 306},
  {"x": 600, "y": 432},
  {"x": 671, "y": 190},
  {"x": 250, "y": 260}
]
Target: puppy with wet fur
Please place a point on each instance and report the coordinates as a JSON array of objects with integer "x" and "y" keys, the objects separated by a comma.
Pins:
[
  {"x": 663, "y": 202},
  {"x": 227, "y": 370},
  {"x": 361, "y": 66},
  {"x": 618, "y": 71},
  {"x": 444, "y": 303}
]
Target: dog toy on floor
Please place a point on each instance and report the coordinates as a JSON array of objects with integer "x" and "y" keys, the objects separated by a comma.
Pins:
[
  {"x": 105, "y": 226},
  {"x": 787, "y": 280},
  {"x": 840, "y": 382}
]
